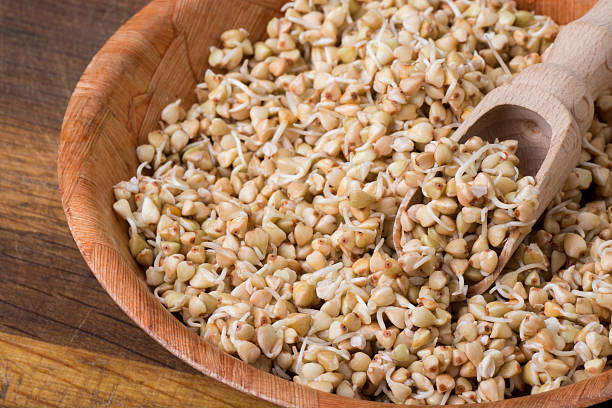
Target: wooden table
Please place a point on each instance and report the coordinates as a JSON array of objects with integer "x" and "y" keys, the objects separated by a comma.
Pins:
[{"x": 63, "y": 341}]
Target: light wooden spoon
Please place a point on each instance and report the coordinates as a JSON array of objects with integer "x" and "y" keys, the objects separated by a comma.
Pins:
[{"x": 548, "y": 107}]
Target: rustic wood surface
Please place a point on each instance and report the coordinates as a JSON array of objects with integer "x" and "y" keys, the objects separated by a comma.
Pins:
[
  {"x": 47, "y": 292},
  {"x": 96, "y": 380}
]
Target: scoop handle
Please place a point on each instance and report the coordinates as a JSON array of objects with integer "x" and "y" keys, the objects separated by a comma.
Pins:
[
  {"x": 578, "y": 66},
  {"x": 585, "y": 47}
]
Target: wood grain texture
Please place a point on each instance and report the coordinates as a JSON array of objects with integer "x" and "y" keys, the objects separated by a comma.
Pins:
[
  {"x": 47, "y": 290},
  {"x": 155, "y": 58},
  {"x": 85, "y": 379},
  {"x": 563, "y": 11}
]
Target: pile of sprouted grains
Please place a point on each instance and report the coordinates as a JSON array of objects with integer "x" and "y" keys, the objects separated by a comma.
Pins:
[{"x": 263, "y": 213}]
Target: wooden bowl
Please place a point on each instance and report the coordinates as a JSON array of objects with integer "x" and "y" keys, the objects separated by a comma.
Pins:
[{"x": 156, "y": 57}]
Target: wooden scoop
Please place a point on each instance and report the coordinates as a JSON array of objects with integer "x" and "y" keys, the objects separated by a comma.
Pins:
[{"x": 548, "y": 107}]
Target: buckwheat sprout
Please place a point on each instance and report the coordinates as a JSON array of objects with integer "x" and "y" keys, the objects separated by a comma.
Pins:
[
  {"x": 487, "y": 37},
  {"x": 473, "y": 158},
  {"x": 548, "y": 22},
  {"x": 195, "y": 322},
  {"x": 457, "y": 161},
  {"x": 449, "y": 91},
  {"x": 584, "y": 294},
  {"x": 157, "y": 258},
  {"x": 303, "y": 23},
  {"x": 562, "y": 353},
  {"x": 496, "y": 319},
  {"x": 587, "y": 145},
  {"x": 509, "y": 293},
  {"x": 158, "y": 155},
  {"x": 238, "y": 147},
  {"x": 141, "y": 166},
  {"x": 133, "y": 227},
  {"x": 602, "y": 286},
  {"x": 327, "y": 200},
  {"x": 379, "y": 318},
  {"x": 222, "y": 276},
  {"x": 347, "y": 221},
  {"x": 362, "y": 302},
  {"x": 158, "y": 296},
  {"x": 574, "y": 228},
  {"x": 604, "y": 247},
  {"x": 453, "y": 8},
  {"x": 176, "y": 183},
  {"x": 160, "y": 170},
  {"x": 382, "y": 388},
  {"x": 424, "y": 260},
  {"x": 238, "y": 108},
  {"x": 589, "y": 164},
  {"x": 325, "y": 271},
  {"x": 237, "y": 169},
  {"x": 421, "y": 395},
  {"x": 528, "y": 267},
  {"x": 511, "y": 224},
  {"x": 461, "y": 286},
  {"x": 559, "y": 207},
  {"x": 432, "y": 215}
]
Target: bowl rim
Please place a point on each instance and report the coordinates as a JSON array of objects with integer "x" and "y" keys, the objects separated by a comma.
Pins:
[{"x": 81, "y": 126}]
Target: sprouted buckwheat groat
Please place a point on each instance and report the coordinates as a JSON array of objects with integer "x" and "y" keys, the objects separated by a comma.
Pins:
[
  {"x": 263, "y": 212},
  {"x": 473, "y": 199}
]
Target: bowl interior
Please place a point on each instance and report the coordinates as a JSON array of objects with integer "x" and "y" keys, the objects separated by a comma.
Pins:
[{"x": 159, "y": 56}]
